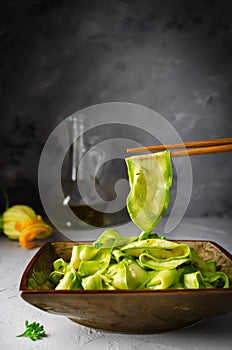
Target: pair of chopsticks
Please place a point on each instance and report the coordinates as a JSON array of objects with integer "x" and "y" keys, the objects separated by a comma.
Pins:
[{"x": 196, "y": 147}]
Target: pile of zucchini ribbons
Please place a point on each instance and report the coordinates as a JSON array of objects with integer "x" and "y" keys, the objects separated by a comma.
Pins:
[
  {"x": 139, "y": 262},
  {"x": 130, "y": 263}
]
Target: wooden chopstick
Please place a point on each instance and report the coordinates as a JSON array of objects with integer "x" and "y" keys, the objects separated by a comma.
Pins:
[
  {"x": 199, "y": 147},
  {"x": 202, "y": 150}
]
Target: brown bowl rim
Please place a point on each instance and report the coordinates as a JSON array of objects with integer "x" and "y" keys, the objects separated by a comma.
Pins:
[{"x": 23, "y": 290}]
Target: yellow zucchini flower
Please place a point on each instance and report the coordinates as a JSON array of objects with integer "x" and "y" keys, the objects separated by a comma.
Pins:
[{"x": 21, "y": 222}]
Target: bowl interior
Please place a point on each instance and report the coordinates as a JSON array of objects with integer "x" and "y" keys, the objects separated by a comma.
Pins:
[{"x": 36, "y": 275}]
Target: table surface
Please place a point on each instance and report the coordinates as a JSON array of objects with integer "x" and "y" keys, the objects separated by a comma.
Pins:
[{"x": 62, "y": 333}]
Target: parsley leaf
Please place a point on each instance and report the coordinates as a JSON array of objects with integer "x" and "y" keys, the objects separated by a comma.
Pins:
[{"x": 33, "y": 331}]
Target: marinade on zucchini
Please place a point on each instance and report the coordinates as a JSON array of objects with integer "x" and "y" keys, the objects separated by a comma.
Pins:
[{"x": 133, "y": 263}]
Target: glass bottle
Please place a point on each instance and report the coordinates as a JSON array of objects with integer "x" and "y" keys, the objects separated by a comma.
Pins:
[{"x": 79, "y": 185}]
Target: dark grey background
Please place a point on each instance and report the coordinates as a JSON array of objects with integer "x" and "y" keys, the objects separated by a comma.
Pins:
[{"x": 59, "y": 56}]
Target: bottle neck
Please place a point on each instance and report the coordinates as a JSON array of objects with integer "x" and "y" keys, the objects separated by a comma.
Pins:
[{"x": 77, "y": 149}]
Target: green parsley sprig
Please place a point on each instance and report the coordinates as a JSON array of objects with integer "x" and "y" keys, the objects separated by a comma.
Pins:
[{"x": 34, "y": 331}]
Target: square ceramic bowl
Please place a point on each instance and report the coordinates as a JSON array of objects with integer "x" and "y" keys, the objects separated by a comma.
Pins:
[{"x": 134, "y": 311}]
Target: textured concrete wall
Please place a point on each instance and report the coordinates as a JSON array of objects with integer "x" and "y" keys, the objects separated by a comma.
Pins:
[{"x": 60, "y": 56}]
